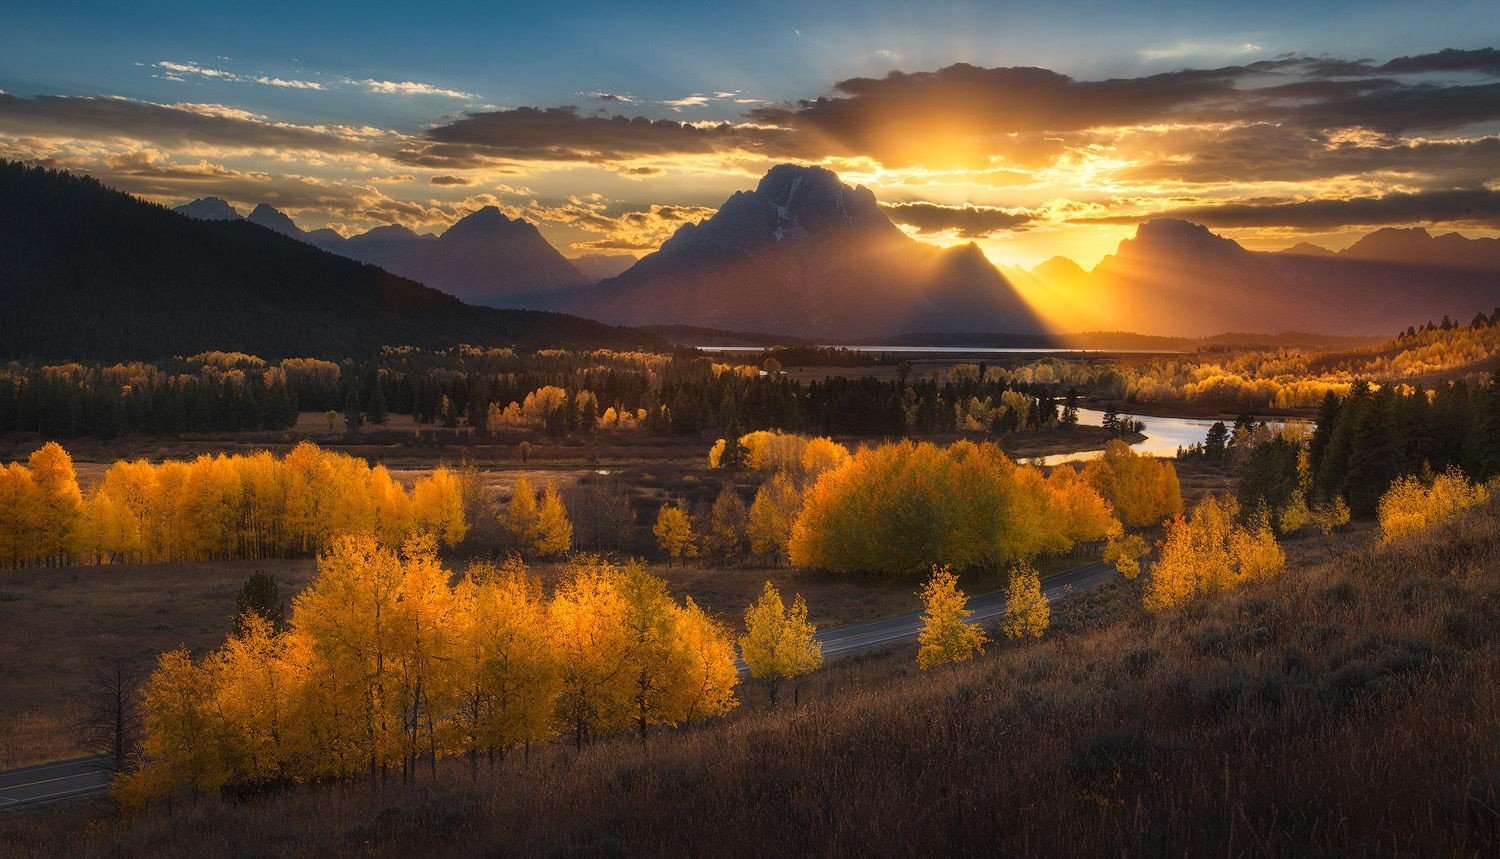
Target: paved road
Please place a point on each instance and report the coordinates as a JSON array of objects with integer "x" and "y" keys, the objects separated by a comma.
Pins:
[
  {"x": 905, "y": 627},
  {"x": 54, "y": 781},
  {"x": 85, "y": 776}
]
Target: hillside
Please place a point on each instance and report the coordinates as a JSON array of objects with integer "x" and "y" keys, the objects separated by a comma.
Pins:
[
  {"x": 807, "y": 255},
  {"x": 1267, "y": 716},
  {"x": 485, "y": 258},
  {"x": 91, "y": 273}
]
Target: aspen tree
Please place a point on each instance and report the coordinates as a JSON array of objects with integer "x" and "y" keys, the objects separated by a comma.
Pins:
[
  {"x": 1027, "y": 612},
  {"x": 946, "y": 635},
  {"x": 674, "y": 532},
  {"x": 779, "y": 642}
]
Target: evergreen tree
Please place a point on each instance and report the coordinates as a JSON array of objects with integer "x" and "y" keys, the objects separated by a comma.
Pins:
[
  {"x": 375, "y": 406},
  {"x": 353, "y": 415}
]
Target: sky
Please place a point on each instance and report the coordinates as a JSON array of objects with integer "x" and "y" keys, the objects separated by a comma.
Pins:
[{"x": 1032, "y": 129}]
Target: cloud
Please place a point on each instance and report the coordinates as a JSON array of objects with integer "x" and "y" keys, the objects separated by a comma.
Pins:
[
  {"x": 180, "y": 71},
  {"x": 1480, "y": 207},
  {"x": 968, "y": 221},
  {"x": 179, "y": 126},
  {"x": 415, "y": 88},
  {"x": 1486, "y": 60},
  {"x": 697, "y": 99},
  {"x": 561, "y": 134},
  {"x": 450, "y": 180}
]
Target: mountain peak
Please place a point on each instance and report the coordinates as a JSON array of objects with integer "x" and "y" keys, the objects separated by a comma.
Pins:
[
  {"x": 486, "y": 220},
  {"x": 209, "y": 209},
  {"x": 274, "y": 219}
]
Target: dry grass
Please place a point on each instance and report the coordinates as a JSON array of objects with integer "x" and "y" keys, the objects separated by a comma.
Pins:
[
  {"x": 1347, "y": 707},
  {"x": 61, "y": 625}
]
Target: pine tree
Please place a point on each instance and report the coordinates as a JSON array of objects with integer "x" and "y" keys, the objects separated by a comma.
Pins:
[
  {"x": 375, "y": 405},
  {"x": 354, "y": 416}
]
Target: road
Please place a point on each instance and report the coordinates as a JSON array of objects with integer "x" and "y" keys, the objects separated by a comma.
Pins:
[
  {"x": 54, "y": 781},
  {"x": 905, "y": 627},
  {"x": 85, "y": 776}
]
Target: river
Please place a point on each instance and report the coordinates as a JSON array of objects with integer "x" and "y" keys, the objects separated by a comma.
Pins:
[{"x": 1163, "y": 436}]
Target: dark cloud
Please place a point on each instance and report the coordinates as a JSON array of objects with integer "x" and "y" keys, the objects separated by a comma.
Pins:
[
  {"x": 1271, "y": 153},
  {"x": 970, "y": 222},
  {"x": 1478, "y": 207},
  {"x": 962, "y": 115},
  {"x": 104, "y": 118},
  {"x": 1483, "y": 60},
  {"x": 561, "y": 134},
  {"x": 450, "y": 180}
]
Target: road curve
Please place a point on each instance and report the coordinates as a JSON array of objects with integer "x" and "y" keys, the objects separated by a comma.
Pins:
[
  {"x": 905, "y": 627},
  {"x": 59, "y": 780}
]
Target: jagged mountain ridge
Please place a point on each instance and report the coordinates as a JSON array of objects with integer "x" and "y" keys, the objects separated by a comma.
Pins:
[
  {"x": 1178, "y": 278},
  {"x": 90, "y": 273},
  {"x": 485, "y": 258},
  {"x": 805, "y": 254}
]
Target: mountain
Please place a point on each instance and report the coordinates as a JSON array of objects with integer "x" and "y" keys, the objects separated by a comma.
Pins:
[
  {"x": 91, "y": 273},
  {"x": 485, "y": 258},
  {"x": 1416, "y": 246},
  {"x": 597, "y": 267},
  {"x": 1178, "y": 278},
  {"x": 805, "y": 254},
  {"x": 209, "y": 209}
]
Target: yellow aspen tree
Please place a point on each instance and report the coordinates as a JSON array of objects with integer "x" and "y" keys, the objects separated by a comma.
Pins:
[
  {"x": 772, "y": 516},
  {"x": 1411, "y": 505},
  {"x": 1125, "y": 552},
  {"x": 779, "y": 643},
  {"x": 587, "y": 615},
  {"x": 1330, "y": 516},
  {"x": 395, "y": 517},
  {"x": 112, "y": 533},
  {"x": 706, "y": 651},
  {"x": 1027, "y": 612},
  {"x": 506, "y": 679},
  {"x": 424, "y": 610},
  {"x": 1143, "y": 490},
  {"x": 351, "y": 614},
  {"x": 58, "y": 526},
  {"x": 1254, "y": 550},
  {"x": 946, "y": 634},
  {"x": 183, "y": 746},
  {"x": 437, "y": 504},
  {"x": 655, "y": 678},
  {"x": 674, "y": 532},
  {"x": 19, "y": 509},
  {"x": 822, "y": 454},
  {"x": 521, "y": 517},
  {"x": 253, "y": 689},
  {"x": 554, "y": 533}
]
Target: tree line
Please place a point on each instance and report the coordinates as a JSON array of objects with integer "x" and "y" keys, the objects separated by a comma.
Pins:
[
  {"x": 389, "y": 662},
  {"x": 214, "y": 507}
]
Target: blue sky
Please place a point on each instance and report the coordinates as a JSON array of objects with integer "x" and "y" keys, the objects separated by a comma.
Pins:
[{"x": 405, "y": 72}]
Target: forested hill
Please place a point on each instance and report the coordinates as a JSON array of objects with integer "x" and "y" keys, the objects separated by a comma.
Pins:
[{"x": 87, "y": 272}]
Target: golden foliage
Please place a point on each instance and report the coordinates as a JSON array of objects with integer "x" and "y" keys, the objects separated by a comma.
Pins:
[
  {"x": 1208, "y": 551},
  {"x": 902, "y": 507},
  {"x": 946, "y": 634},
  {"x": 386, "y": 665},
  {"x": 1143, "y": 490},
  {"x": 674, "y": 532},
  {"x": 1412, "y": 505},
  {"x": 1027, "y": 612},
  {"x": 779, "y": 642}
]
